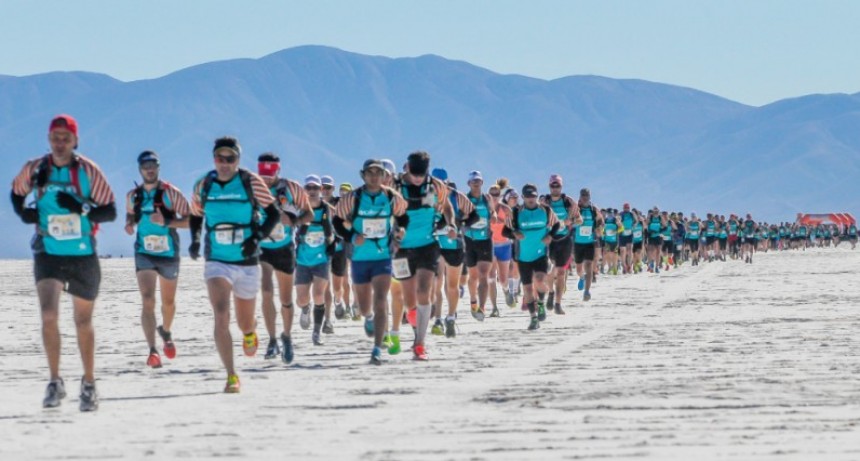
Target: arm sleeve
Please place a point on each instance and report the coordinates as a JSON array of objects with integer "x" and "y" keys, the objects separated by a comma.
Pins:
[{"x": 272, "y": 218}]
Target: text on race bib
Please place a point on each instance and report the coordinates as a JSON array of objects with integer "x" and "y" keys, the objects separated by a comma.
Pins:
[
  {"x": 156, "y": 243},
  {"x": 374, "y": 228},
  {"x": 400, "y": 268},
  {"x": 64, "y": 227}
]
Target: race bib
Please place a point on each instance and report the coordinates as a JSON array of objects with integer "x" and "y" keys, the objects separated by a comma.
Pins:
[
  {"x": 443, "y": 232},
  {"x": 610, "y": 232},
  {"x": 637, "y": 234},
  {"x": 315, "y": 239},
  {"x": 679, "y": 247},
  {"x": 694, "y": 233},
  {"x": 228, "y": 237},
  {"x": 666, "y": 238},
  {"x": 400, "y": 268},
  {"x": 480, "y": 225},
  {"x": 156, "y": 244},
  {"x": 64, "y": 227},
  {"x": 627, "y": 232},
  {"x": 278, "y": 234},
  {"x": 585, "y": 231},
  {"x": 374, "y": 228}
]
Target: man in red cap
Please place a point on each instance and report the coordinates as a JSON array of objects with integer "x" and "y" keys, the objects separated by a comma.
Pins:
[{"x": 71, "y": 197}]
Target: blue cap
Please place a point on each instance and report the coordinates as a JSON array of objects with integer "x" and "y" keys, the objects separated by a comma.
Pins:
[{"x": 440, "y": 174}]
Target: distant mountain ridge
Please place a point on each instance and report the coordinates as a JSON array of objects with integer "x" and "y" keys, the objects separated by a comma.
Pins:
[{"x": 325, "y": 110}]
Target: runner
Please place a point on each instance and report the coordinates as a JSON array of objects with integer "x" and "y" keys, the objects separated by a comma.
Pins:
[
  {"x": 417, "y": 258},
  {"x": 610, "y": 240},
  {"x": 334, "y": 293},
  {"x": 694, "y": 230},
  {"x": 561, "y": 247},
  {"x": 655, "y": 241},
  {"x": 71, "y": 198},
  {"x": 589, "y": 224},
  {"x": 750, "y": 230},
  {"x": 364, "y": 218},
  {"x": 452, "y": 255},
  {"x": 156, "y": 208},
  {"x": 479, "y": 247},
  {"x": 638, "y": 240},
  {"x": 534, "y": 226},
  {"x": 502, "y": 252},
  {"x": 278, "y": 254},
  {"x": 625, "y": 241},
  {"x": 229, "y": 199},
  {"x": 511, "y": 199},
  {"x": 314, "y": 242}
]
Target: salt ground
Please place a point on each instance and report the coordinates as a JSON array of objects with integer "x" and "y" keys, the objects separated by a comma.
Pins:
[{"x": 721, "y": 361}]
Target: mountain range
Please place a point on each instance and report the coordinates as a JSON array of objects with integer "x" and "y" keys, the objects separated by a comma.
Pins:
[{"x": 324, "y": 110}]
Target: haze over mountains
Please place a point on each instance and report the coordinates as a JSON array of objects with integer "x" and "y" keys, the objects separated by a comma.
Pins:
[{"x": 325, "y": 110}]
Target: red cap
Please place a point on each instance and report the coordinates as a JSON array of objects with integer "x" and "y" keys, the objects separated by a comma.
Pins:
[
  {"x": 66, "y": 122},
  {"x": 268, "y": 168}
]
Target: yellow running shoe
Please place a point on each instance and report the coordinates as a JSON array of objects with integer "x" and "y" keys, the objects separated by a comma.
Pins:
[
  {"x": 232, "y": 386},
  {"x": 250, "y": 344}
]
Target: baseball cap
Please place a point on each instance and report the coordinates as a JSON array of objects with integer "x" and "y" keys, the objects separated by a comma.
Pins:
[
  {"x": 440, "y": 174},
  {"x": 147, "y": 156},
  {"x": 312, "y": 180},
  {"x": 475, "y": 175},
  {"x": 555, "y": 179},
  {"x": 530, "y": 191},
  {"x": 388, "y": 165},
  {"x": 327, "y": 180},
  {"x": 66, "y": 122},
  {"x": 585, "y": 192},
  {"x": 374, "y": 163},
  {"x": 346, "y": 186}
]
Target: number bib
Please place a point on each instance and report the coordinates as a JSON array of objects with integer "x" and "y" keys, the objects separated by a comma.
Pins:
[
  {"x": 156, "y": 244},
  {"x": 278, "y": 234},
  {"x": 610, "y": 233},
  {"x": 480, "y": 225},
  {"x": 374, "y": 228},
  {"x": 694, "y": 233},
  {"x": 64, "y": 227},
  {"x": 315, "y": 239},
  {"x": 400, "y": 268},
  {"x": 637, "y": 234},
  {"x": 443, "y": 232},
  {"x": 228, "y": 237},
  {"x": 585, "y": 231}
]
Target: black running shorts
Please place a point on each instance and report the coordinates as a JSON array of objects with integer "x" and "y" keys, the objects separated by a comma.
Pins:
[
  {"x": 80, "y": 275},
  {"x": 528, "y": 269}
]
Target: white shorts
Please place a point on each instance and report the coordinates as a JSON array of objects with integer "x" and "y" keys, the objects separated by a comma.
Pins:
[{"x": 245, "y": 279}]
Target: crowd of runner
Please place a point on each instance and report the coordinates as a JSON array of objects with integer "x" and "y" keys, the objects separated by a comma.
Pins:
[{"x": 403, "y": 247}]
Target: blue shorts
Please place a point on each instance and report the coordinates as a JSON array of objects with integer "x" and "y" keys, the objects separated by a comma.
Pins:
[
  {"x": 364, "y": 271},
  {"x": 503, "y": 253}
]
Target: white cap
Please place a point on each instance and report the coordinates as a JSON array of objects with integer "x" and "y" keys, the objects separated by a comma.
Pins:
[
  {"x": 475, "y": 175},
  {"x": 327, "y": 180},
  {"x": 312, "y": 180}
]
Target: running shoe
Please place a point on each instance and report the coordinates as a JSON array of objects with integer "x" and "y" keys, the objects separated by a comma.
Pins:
[
  {"x": 317, "y": 339},
  {"x": 586, "y": 296},
  {"x": 412, "y": 317},
  {"x": 233, "y": 385},
  {"x": 386, "y": 341},
  {"x": 272, "y": 350},
  {"x": 356, "y": 314},
  {"x": 438, "y": 328},
  {"x": 550, "y": 298},
  {"x": 558, "y": 310},
  {"x": 305, "y": 318},
  {"x": 495, "y": 312},
  {"x": 250, "y": 343},
  {"x": 509, "y": 299},
  {"x": 376, "y": 356},
  {"x": 450, "y": 328},
  {"x": 534, "y": 323},
  {"x": 327, "y": 327},
  {"x": 154, "y": 360},
  {"x": 419, "y": 353},
  {"x": 394, "y": 348},
  {"x": 287, "y": 353},
  {"x": 477, "y": 313},
  {"x": 541, "y": 311},
  {"x": 54, "y": 393},
  {"x": 368, "y": 327},
  {"x": 339, "y": 311},
  {"x": 167, "y": 338},
  {"x": 89, "y": 398},
  {"x": 581, "y": 285}
]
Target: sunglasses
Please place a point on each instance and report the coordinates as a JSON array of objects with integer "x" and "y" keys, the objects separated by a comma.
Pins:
[
  {"x": 151, "y": 165},
  {"x": 555, "y": 186},
  {"x": 312, "y": 187},
  {"x": 328, "y": 187},
  {"x": 495, "y": 194},
  {"x": 228, "y": 159}
]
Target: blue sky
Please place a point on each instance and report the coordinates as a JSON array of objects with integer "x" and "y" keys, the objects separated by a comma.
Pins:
[{"x": 753, "y": 52}]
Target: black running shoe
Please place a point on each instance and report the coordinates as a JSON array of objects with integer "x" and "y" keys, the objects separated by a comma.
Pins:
[
  {"x": 534, "y": 323},
  {"x": 450, "y": 328},
  {"x": 89, "y": 397},
  {"x": 550, "y": 298},
  {"x": 287, "y": 354},
  {"x": 54, "y": 394},
  {"x": 272, "y": 350}
]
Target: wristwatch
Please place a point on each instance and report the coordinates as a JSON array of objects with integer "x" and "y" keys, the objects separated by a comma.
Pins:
[{"x": 85, "y": 209}]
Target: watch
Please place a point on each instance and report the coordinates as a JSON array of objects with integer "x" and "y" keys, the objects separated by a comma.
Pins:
[{"x": 85, "y": 209}]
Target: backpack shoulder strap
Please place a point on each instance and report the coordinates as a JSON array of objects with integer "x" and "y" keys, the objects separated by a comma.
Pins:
[
  {"x": 208, "y": 180},
  {"x": 356, "y": 201},
  {"x": 245, "y": 177}
]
